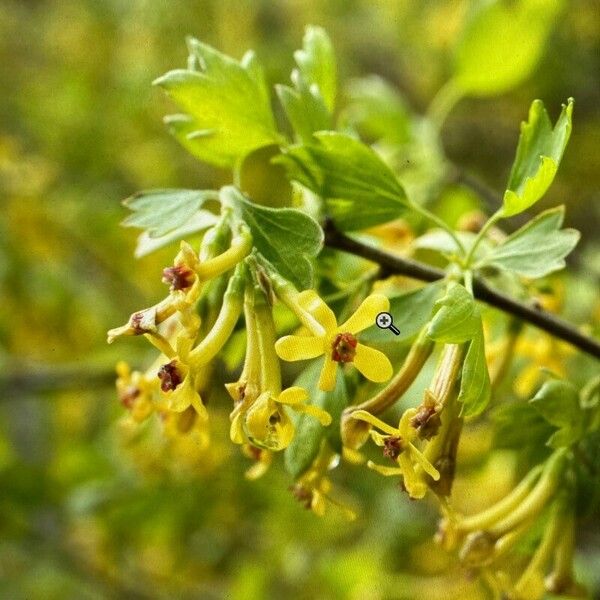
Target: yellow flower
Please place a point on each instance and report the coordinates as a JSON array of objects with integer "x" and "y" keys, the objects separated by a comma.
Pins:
[
  {"x": 267, "y": 424},
  {"x": 262, "y": 461},
  {"x": 313, "y": 488},
  {"x": 338, "y": 342},
  {"x": 398, "y": 446},
  {"x": 135, "y": 391}
]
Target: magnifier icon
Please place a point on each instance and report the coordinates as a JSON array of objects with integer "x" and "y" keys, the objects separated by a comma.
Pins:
[{"x": 385, "y": 321}]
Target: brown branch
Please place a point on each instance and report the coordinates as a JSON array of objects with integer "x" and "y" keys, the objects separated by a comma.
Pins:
[{"x": 395, "y": 265}]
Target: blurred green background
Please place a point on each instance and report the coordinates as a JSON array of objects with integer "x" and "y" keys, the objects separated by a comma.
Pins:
[{"x": 88, "y": 510}]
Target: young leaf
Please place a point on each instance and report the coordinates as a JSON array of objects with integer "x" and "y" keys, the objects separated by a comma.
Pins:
[
  {"x": 359, "y": 189},
  {"x": 539, "y": 153},
  {"x": 309, "y": 434},
  {"x": 316, "y": 61},
  {"x": 227, "y": 105},
  {"x": 376, "y": 110},
  {"x": 203, "y": 219},
  {"x": 286, "y": 237},
  {"x": 558, "y": 402},
  {"x": 456, "y": 317},
  {"x": 538, "y": 248},
  {"x": 475, "y": 386},
  {"x": 162, "y": 211},
  {"x": 304, "y": 107},
  {"x": 502, "y": 43}
]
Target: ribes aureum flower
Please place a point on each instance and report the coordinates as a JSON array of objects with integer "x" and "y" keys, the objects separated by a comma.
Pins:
[
  {"x": 267, "y": 424},
  {"x": 397, "y": 445},
  {"x": 135, "y": 390},
  {"x": 338, "y": 343}
]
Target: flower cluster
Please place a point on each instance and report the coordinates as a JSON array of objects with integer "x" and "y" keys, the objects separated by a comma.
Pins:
[{"x": 193, "y": 322}]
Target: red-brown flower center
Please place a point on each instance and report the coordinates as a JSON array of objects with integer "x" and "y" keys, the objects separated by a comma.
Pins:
[
  {"x": 393, "y": 446},
  {"x": 179, "y": 277},
  {"x": 343, "y": 348},
  {"x": 128, "y": 396},
  {"x": 169, "y": 376}
]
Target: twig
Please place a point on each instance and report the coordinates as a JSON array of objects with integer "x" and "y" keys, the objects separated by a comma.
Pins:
[{"x": 392, "y": 264}]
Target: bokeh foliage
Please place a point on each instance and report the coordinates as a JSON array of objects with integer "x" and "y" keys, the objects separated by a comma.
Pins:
[{"x": 88, "y": 511}]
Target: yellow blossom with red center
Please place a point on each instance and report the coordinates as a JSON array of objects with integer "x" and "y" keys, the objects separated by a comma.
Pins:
[
  {"x": 267, "y": 424},
  {"x": 338, "y": 343},
  {"x": 397, "y": 444}
]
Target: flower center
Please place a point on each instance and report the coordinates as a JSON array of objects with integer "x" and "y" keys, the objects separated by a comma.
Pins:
[
  {"x": 169, "y": 376},
  {"x": 128, "y": 396},
  {"x": 393, "y": 446},
  {"x": 343, "y": 348},
  {"x": 179, "y": 278}
]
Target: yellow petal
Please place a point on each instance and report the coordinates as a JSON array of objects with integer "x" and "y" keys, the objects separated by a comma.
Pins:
[
  {"x": 293, "y": 395},
  {"x": 314, "y": 411},
  {"x": 415, "y": 487},
  {"x": 387, "y": 471},
  {"x": 328, "y": 375},
  {"x": 310, "y": 301},
  {"x": 236, "y": 433},
  {"x": 419, "y": 457},
  {"x": 297, "y": 347},
  {"x": 199, "y": 407},
  {"x": 318, "y": 504},
  {"x": 407, "y": 431},
  {"x": 378, "y": 438},
  {"x": 267, "y": 425},
  {"x": 182, "y": 396},
  {"x": 363, "y": 415},
  {"x": 366, "y": 313},
  {"x": 373, "y": 364}
]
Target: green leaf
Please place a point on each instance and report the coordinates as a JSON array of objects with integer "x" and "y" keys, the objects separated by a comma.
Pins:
[
  {"x": 456, "y": 317},
  {"x": 411, "y": 312},
  {"x": 317, "y": 65},
  {"x": 518, "y": 425},
  {"x": 162, "y": 211},
  {"x": 475, "y": 386},
  {"x": 558, "y": 402},
  {"x": 286, "y": 237},
  {"x": 439, "y": 240},
  {"x": 502, "y": 43},
  {"x": 377, "y": 111},
  {"x": 309, "y": 434},
  {"x": 203, "y": 219},
  {"x": 304, "y": 108},
  {"x": 359, "y": 189},
  {"x": 538, "y": 248},
  {"x": 227, "y": 105},
  {"x": 539, "y": 153}
]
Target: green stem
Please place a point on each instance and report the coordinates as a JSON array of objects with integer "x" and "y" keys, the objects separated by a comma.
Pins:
[
  {"x": 443, "y": 103},
  {"x": 486, "y": 227},
  {"x": 440, "y": 223}
]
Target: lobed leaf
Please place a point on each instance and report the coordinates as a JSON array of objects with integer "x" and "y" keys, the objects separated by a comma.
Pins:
[
  {"x": 316, "y": 62},
  {"x": 286, "y": 237},
  {"x": 558, "y": 402},
  {"x": 475, "y": 386},
  {"x": 539, "y": 153},
  {"x": 359, "y": 189},
  {"x": 456, "y": 317},
  {"x": 304, "y": 108},
  {"x": 201, "y": 220},
  {"x": 228, "y": 111},
  {"x": 536, "y": 249},
  {"x": 162, "y": 211}
]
